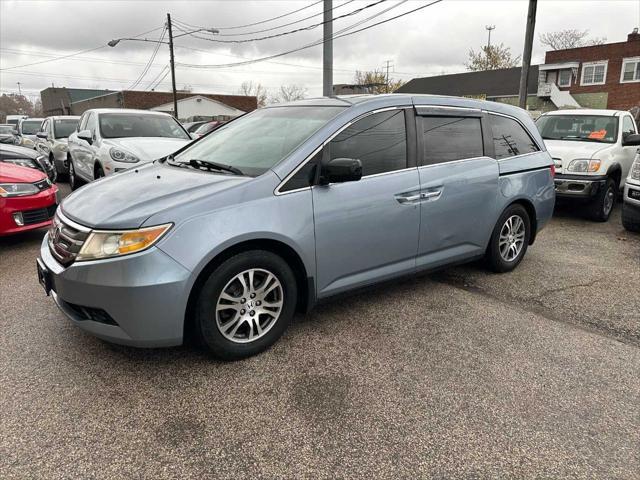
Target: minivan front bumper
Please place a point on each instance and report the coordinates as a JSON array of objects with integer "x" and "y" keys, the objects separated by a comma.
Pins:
[{"x": 138, "y": 300}]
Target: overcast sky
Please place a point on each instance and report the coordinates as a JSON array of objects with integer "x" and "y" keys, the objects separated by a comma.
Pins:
[{"x": 431, "y": 41}]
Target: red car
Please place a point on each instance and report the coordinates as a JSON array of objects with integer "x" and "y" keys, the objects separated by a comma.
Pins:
[{"x": 28, "y": 199}]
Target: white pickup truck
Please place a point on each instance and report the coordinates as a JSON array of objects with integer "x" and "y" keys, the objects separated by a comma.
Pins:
[{"x": 593, "y": 151}]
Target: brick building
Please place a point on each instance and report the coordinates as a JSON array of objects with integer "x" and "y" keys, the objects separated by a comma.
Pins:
[
  {"x": 149, "y": 100},
  {"x": 598, "y": 76}
]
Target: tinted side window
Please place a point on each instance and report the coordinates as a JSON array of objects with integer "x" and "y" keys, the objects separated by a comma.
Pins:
[
  {"x": 510, "y": 138},
  {"x": 379, "y": 141},
  {"x": 627, "y": 125},
  {"x": 83, "y": 122},
  {"x": 305, "y": 176},
  {"x": 92, "y": 123},
  {"x": 447, "y": 139}
]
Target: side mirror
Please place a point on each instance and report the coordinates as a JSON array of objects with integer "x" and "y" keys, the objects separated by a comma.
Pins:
[
  {"x": 86, "y": 136},
  {"x": 43, "y": 135},
  {"x": 631, "y": 140},
  {"x": 341, "y": 170}
]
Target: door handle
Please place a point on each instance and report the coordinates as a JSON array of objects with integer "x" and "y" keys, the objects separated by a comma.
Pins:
[
  {"x": 428, "y": 195},
  {"x": 408, "y": 198}
]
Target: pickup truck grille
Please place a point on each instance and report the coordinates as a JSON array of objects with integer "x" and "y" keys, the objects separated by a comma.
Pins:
[{"x": 65, "y": 240}]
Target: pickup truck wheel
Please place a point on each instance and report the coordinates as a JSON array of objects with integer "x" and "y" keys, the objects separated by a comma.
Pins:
[
  {"x": 602, "y": 204},
  {"x": 245, "y": 305},
  {"x": 509, "y": 240},
  {"x": 74, "y": 181}
]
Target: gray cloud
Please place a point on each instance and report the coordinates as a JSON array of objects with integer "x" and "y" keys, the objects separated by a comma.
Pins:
[{"x": 436, "y": 39}]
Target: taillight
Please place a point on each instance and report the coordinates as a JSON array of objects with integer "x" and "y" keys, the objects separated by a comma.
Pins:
[{"x": 553, "y": 170}]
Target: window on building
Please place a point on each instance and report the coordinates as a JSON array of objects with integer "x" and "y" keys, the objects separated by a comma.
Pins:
[
  {"x": 630, "y": 70},
  {"x": 594, "y": 73},
  {"x": 447, "y": 139},
  {"x": 379, "y": 141},
  {"x": 564, "y": 78},
  {"x": 510, "y": 138}
]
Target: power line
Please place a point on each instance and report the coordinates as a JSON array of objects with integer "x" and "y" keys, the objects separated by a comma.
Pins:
[
  {"x": 301, "y": 29},
  {"x": 260, "y": 22},
  {"x": 319, "y": 42},
  {"x": 71, "y": 54},
  {"x": 150, "y": 62},
  {"x": 276, "y": 27}
]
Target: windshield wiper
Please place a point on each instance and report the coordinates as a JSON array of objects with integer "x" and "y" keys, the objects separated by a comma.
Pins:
[{"x": 210, "y": 165}]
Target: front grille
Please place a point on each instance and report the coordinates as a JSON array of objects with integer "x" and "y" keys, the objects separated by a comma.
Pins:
[
  {"x": 65, "y": 240},
  {"x": 39, "y": 215},
  {"x": 90, "y": 313}
]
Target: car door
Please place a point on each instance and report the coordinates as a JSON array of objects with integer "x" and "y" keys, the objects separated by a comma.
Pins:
[
  {"x": 628, "y": 153},
  {"x": 85, "y": 150},
  {"x": 367, "y": 230},
  {"x": 458, "y": 185}
]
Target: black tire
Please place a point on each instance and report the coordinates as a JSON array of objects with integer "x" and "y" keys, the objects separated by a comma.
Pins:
[
  {"x": 74, "y": 181},
  {"x": 208, "y": 332},
  {"x": 629, "y": 224},
  {"x": 494, "y": 258},
  {"x": 602, "y": 205},
  {"x": 61, "y": 176}
]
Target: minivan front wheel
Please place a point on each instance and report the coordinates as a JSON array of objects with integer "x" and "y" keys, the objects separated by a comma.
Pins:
[
  {"x": 246, "y": 304},
  {"x": 509, "y": 240}
]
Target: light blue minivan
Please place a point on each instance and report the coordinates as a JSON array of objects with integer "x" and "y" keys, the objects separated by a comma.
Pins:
[{"x": 227, "y": 238}]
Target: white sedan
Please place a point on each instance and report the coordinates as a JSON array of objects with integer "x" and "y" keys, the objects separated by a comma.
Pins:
[{"x": 108, "y": 141}]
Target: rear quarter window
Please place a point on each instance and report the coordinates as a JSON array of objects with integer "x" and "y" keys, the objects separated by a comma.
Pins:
[{"x": 510, "y": 139}]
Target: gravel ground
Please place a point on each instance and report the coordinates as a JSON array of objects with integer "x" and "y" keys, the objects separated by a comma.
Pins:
[{"x": 458, "y": 374}]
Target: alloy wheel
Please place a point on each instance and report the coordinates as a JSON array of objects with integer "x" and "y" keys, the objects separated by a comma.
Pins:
[
  {"x": 512, "y": 236},
  {"x": 249, "y": 305},
  {"x": 609, "y": 200}
]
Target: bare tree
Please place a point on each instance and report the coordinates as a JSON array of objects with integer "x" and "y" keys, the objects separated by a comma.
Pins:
[
  {"x": 570, "y": 38},
  {"x": 491, "y": 57},
  {"x": 252, "y": 89},
  {"x": 376, "y": 81},
  {"x": 289, "y": 93}
]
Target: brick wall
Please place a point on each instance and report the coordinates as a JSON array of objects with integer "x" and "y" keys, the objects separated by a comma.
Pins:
[
  {"x": 621, "y": 96},
  {"x": 146, "y": 100}
]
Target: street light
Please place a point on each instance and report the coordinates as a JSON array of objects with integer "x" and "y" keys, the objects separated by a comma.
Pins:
[{"x": 213, "y": 31}]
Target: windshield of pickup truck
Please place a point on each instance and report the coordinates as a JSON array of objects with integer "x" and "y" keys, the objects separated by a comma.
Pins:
[
  {"x": 582, "y": 128},
  {"x": 256, "y": 142}
]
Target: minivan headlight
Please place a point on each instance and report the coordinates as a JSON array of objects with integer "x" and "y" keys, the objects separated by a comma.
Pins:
[
  {"x": 120, "y": 155},
  {"x": 107, "y": 244},
  {"x": 583, "y": 165},
  {"x": 635, "y": 168}
]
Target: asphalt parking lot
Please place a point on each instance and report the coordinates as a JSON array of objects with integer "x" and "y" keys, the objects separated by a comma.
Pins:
[{"x": 456, "y": 374}]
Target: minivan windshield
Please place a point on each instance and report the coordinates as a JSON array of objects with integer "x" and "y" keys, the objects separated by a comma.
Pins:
[
  {"x": 64, "y": 128},
  {"x": 583, "y": 128},
  {"x": 120, "y": 125},
  {"x": 256, "y": 142},
  {"x": 30, "y": 127}
]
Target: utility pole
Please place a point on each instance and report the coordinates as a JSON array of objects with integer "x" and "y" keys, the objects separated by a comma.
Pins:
[
  {"x": 387, "y": 75},
  {"x": 19, "y": 88},
  {"x": 327, "y": 50},
  {"x": 489, "y": 28},
  {"x": 173, "y": 67},
  {"x": 526, "y": 55}
]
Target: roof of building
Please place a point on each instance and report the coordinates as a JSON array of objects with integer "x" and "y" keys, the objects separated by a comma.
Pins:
[
  {"x": 153, "y": 99},
  {"x": 127, "y": 110},
  {"x": 169, "y": 105},
  {"x": 490, "y": 83}
]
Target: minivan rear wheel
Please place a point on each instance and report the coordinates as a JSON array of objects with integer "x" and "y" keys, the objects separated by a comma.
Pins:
[
  {"x": 246, "y": 304},
  {"x": 509, "y": 240}
]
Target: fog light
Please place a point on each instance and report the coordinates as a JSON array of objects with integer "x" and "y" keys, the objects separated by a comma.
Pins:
[{"x": 17, "y": 217}]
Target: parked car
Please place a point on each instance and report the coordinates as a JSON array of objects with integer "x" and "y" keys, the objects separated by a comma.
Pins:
[
  {"x": 27, "y": 157},
  {"x": 111, "y": 140},
  {"x": 15, "y": 120},
  {"x": 288, "y": 205},
  {"x": 9, "y": 134},
  {"x": 52, "y": 140},
  {"x": 207, "y": 127},
  {"x": 27, "y": 129},
  {"x": 631, "y": 199},
  {"x": 191, "y": 127},
  {"x": 28, "y": 199},
  {"x": 593, "y": 151}
]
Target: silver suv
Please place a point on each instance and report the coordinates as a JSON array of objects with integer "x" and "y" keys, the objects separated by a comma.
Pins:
[{"x": 290, "y": 205}]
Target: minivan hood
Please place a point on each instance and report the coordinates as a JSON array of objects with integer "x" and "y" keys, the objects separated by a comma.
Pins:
[
  {"x": 127, "y": 199},
  {"x": 148, "y": 148},
  {"x": 571, "y": 149}
]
